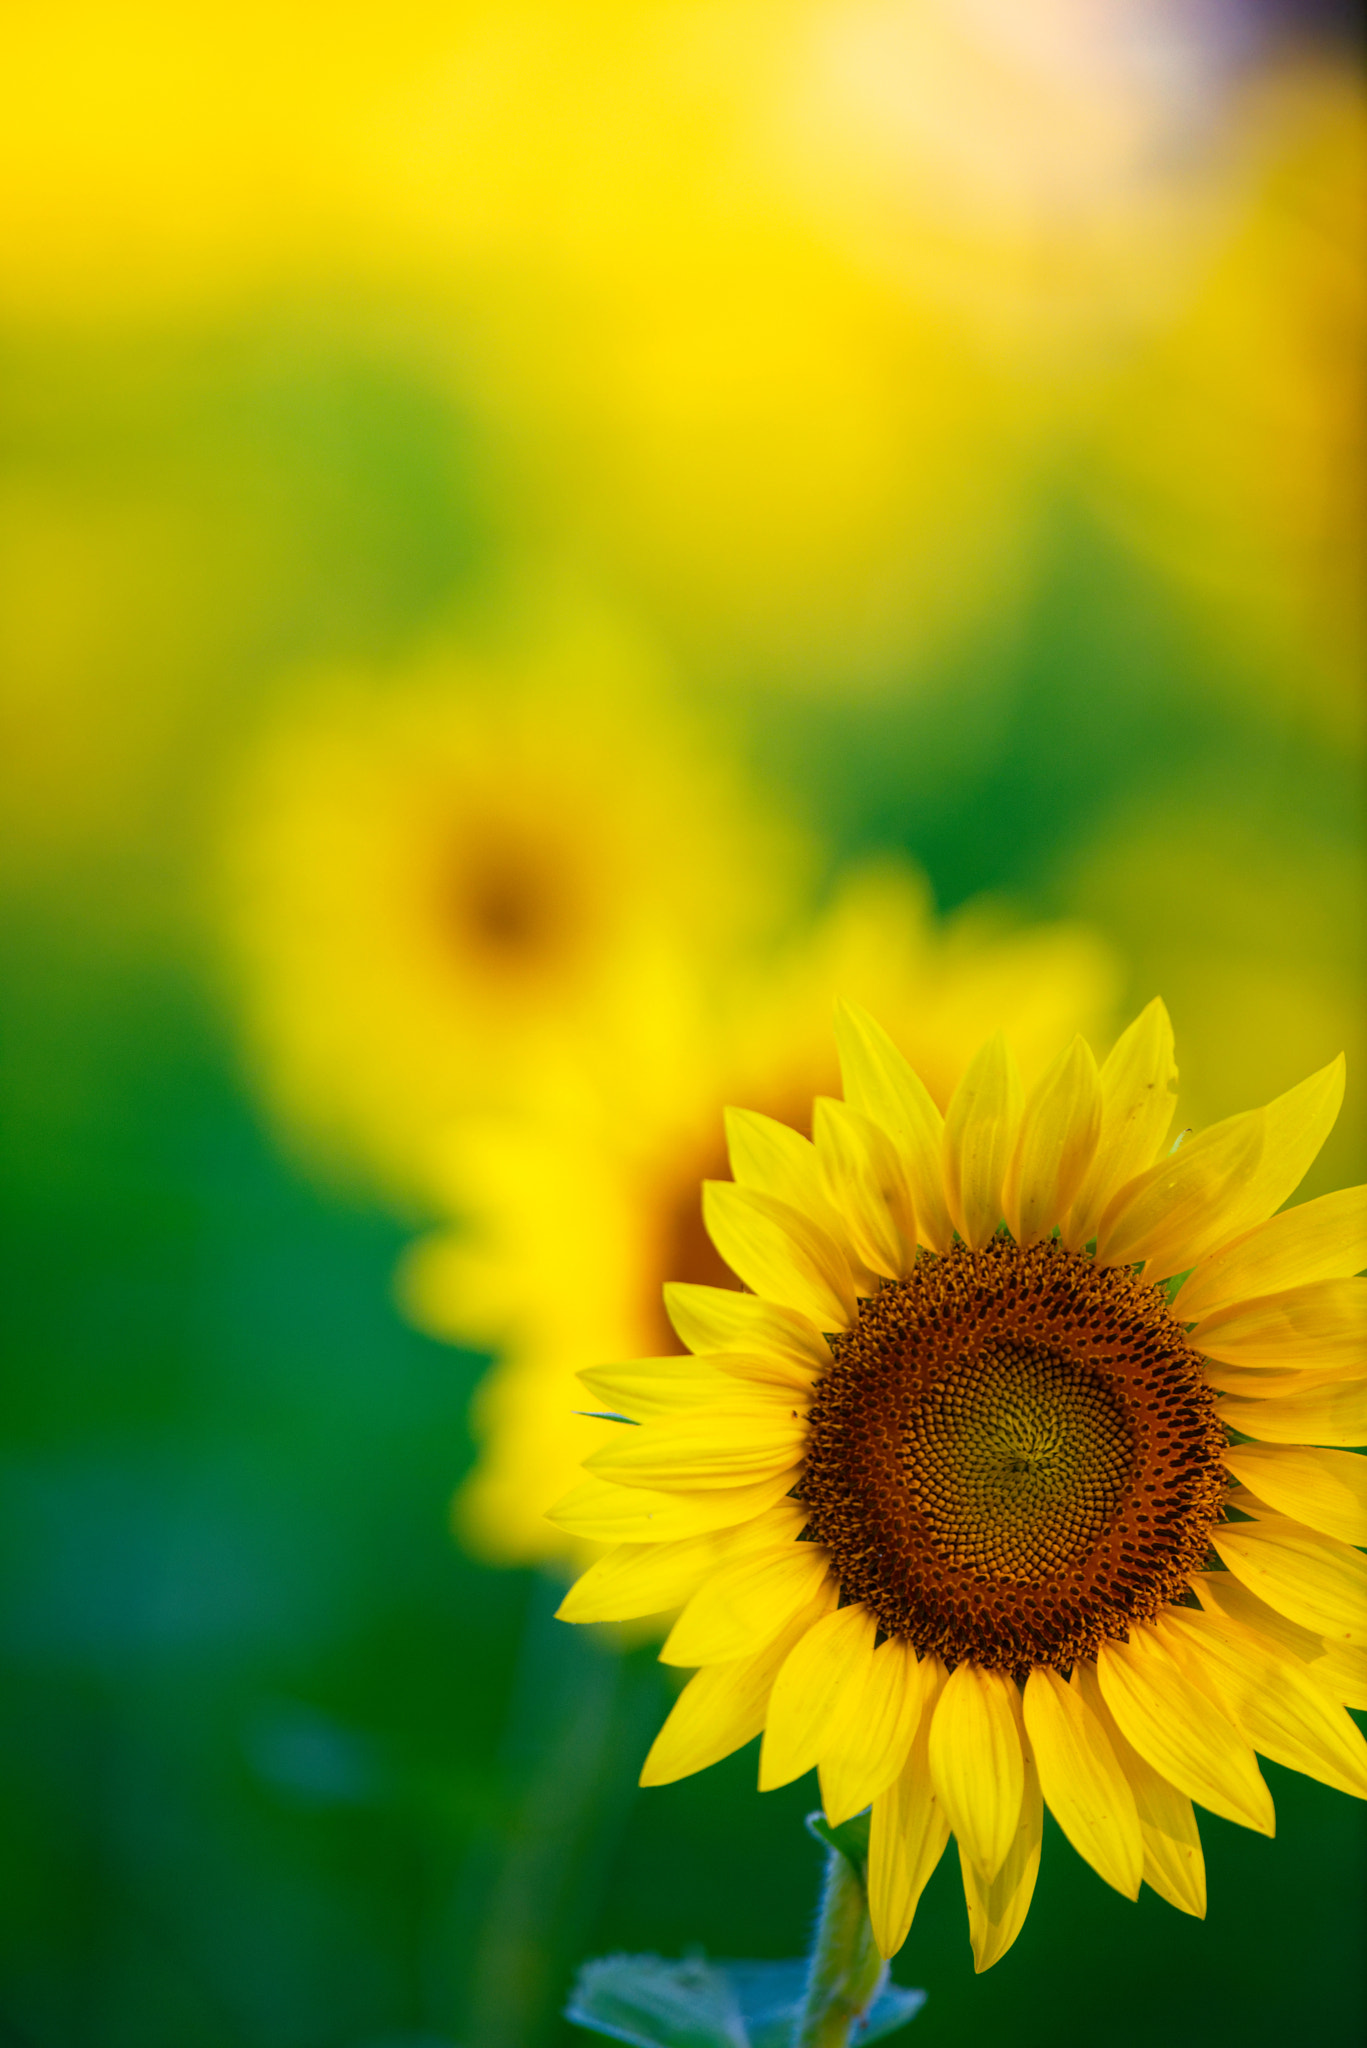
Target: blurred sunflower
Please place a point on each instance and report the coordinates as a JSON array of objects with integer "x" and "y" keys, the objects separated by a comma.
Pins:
[
  {"x": 1008, "y": 1483},
  {"x": 454, "y": 889},
  {"x": 572, "y": 1224},
  {"x": 1230, "y": 449}
]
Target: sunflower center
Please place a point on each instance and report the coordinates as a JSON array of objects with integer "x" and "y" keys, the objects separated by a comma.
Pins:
[
  {"x": 1020, "y": 1463},
  {"x": 1014, "y": 1456}
]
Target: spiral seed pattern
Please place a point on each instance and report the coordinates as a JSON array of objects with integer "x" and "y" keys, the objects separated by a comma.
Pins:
[{"x": 1014, "y": 1456}]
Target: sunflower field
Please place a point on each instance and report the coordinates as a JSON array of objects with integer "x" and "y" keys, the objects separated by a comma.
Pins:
[{"x": 683, "y": 703}]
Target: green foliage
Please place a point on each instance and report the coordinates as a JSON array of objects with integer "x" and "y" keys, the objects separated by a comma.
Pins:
[{"x": 651, "y": 2003}]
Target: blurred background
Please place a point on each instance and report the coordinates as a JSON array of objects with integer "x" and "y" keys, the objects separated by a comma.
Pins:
[{"x": 541, "y": 543}]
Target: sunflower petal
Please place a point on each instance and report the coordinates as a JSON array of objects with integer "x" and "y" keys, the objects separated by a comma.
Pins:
[
  {"x": 723, "y": 1319},
  {"x": 879, "y": 1081},
  {"x": 907, "y": 1835},
  {"x": 648, "y": 1387},
  {"x": 706, "y": 1447},
  {"x": 1174, "y": 1866},
  {"x": 1297, "y": 1125},
  {"x": 811, "y": 1701},
  {"x": 1312, "y": 1579},
  {"x": 997, "y": 1906},
  {"x": 1180, "y": 1732},
  {"x": 1176, "y": 1210},
  {"x": 976, "y": 1764},
  {"x": 780, "y": 1253},
  {"x": 1320, "y": 1325},
  {"x": 746, "y": 1605},
  {"x": 1321, "y": 1240},
  {"x": 1058, "y": 1137},
  {"x": 633, "y": 1579},
  {"x": 722, "y": 1707},
  {"x": 1274, "y": 1700},
  {"x": 1226, "y": 1180},
  {"x": 876, "y": 1742},
  {"x": 866, "y": 1182},
  {"x": 1083, "y": 1785},
  {"x": 599, "y": 1511},
  {"x": 1332, "y": 1413},
  {"x": 1326, "y": 1490},
  {"x": 776, "y": 1160},
  {"x": 1138, "y": 1084},
  {"x": 981, "y": 1127},
  {"x": 1341, "y": 1668}
]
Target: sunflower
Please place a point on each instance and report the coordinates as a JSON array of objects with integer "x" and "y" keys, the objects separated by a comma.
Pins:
[
  {"x": 1017, "y": 1478},
  {"x": 571, "y": 1223},
  {"x": 445, "y": 886}
]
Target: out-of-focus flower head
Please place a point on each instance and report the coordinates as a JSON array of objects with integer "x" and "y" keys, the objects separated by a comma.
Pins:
[
  {"x": 462, "y": 886},
  {"x": 775, "y": 315},
  {"x": 1231, "y": 449},
  {"x": 573, "y": 1225}
]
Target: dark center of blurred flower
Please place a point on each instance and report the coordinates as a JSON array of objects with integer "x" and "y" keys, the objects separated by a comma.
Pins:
[
  {"x": 1014, "y": 1456},
  {"x": 504, "y": 905}
]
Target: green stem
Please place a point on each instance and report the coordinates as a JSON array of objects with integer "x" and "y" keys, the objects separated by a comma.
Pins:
[{"x": 845, "y": 1971}]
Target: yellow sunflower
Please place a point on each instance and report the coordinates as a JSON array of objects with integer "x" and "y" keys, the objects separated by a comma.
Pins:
[
  {"x": 445, "y": 889},
  {"x": 572, "y": 1222},
  {"x": 1016, "y": 1478}
]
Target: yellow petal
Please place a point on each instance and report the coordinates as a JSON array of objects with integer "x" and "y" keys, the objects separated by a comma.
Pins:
[
  {"x": 1138, "y": 1093},
  {"x": 907, "y": 1835},
  {"x": 1223, "y": 1182},
  {"x": 975, "y": 1762},
  {"x": 981, "y": 1126},
  {"x": 1058, "y": 1137},
  {"x": 723, "y": 1319},
  {"x": 776, "y": 1160},
  {"x": 1334, "y": 1413},
  {"x": 705, "y": 1447},
  {"x": 1265, "y": 1382},
  {"x": 1180, "y": 1732},
  {"x": 1176, "y": 1210},
  {"x": 762, "y": 1373},
  {"x": 1174, "y": 1866},
  {"x": 746, "y": 1604},
  {"x": 811, "y": 1701},
  {"x": 722, "y": 1707},
  {"x": 1341, "y": 1668},
  {"x": 867, "y": 1184},
  {"x": 662, "y": 1386},
  {"x": 876, "y": 1741},
  {"x": 1326, "y": 1490},
  {"x": 633, "y": 1579},
  {"x": 1274, "y": 1700},
  {"x": 1320, "y": 1325},
  {"x": 997, "y": 1906},
  {"x": 1083, "y": 1785},
  {"x": 601, "y": 1512},
  {"x": 780, "y": 1253},
  {"x": 879, "y": 1081},
  {"x": 1311, "y": 1579},
  {"x": 1297, "y": 1125},
  {"x": 1320, "y": 1240}
]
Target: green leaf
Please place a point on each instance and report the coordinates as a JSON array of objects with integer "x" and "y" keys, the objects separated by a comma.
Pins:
[
  {"x": 651, "y": 2003},
  {"x": 656, "y": 2004},
  {"x": 851, "y": 1838},
  {"x": 892, "y": 2008},
  {"x": 769, "y": 1996}
]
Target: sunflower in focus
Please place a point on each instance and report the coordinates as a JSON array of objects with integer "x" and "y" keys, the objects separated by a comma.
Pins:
[
  {"x": 445, "y": 890},
  {"x": 569, "y": 1224},
  {"x": 1017, "y": 1477}
]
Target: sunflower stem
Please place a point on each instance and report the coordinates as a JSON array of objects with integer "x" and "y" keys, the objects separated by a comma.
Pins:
[{"x": 845, "y": 1972}]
